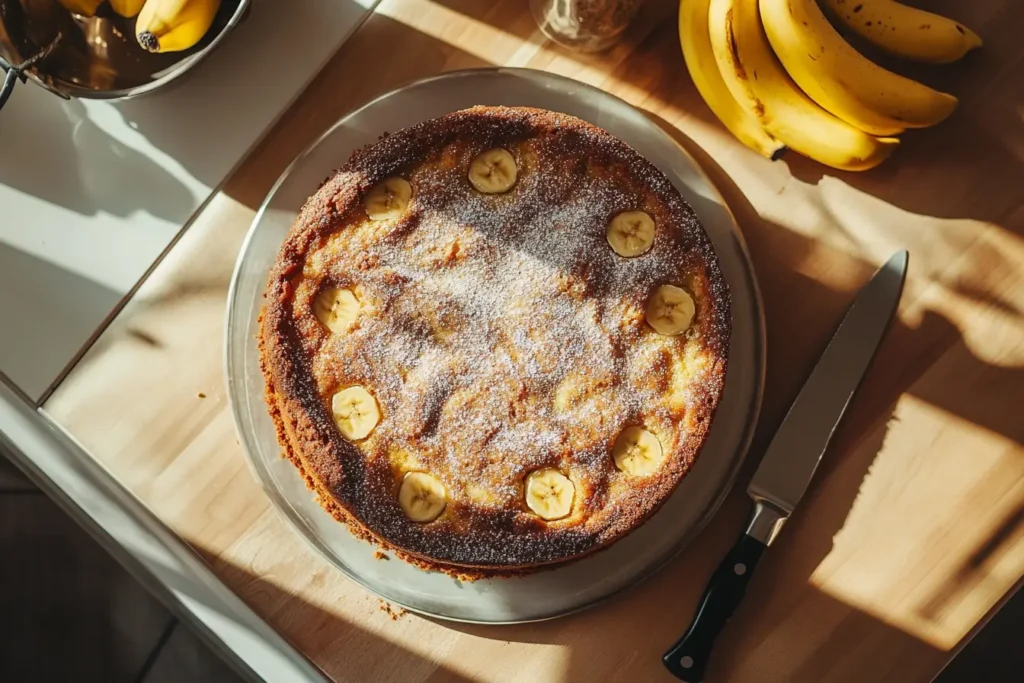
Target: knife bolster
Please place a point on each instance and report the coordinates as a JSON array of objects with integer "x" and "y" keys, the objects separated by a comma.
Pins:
[{"x": 766, "y": 522}]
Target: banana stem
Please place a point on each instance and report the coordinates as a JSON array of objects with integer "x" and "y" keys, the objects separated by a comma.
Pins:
[{"x": 149, "y": 41}]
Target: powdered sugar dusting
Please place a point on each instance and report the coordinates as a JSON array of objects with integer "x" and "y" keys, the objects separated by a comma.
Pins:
[
  {"x": 501, "y": 333},
  {"x": 482, "y": 307}
]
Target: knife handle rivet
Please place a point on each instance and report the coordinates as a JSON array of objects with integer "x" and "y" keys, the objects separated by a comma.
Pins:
[
  {"x": 686, "y": 662},
  {"x": 740, "y": 569}
]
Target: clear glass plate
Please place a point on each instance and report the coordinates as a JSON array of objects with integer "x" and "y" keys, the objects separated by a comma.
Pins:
[{"x": 544, "y": 594}]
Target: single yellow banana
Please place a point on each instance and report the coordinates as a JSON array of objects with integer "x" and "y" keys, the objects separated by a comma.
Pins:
[
  {"x": 86, "y": 8},
  {"x": 127, "y": 8},
  {"x": 700, "y": 61},
  {"x": 757, "y": 80},
  {"x": 906, "y": 31},
  {"x": 844, "y": 81},
  {"x": 174, "y": 25}
]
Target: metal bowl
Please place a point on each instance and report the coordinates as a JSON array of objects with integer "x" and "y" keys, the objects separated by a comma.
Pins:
[{"x": 94, "y": 57}]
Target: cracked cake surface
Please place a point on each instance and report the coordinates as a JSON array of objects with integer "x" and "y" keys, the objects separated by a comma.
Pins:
[{"x": 495, "y": 340}]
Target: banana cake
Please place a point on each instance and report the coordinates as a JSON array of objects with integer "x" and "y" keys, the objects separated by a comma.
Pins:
[{"x": 495, "y": 340}]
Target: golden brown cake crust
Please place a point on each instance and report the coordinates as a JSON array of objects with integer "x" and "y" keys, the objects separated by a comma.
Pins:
[{"x": 481, "y": 315}]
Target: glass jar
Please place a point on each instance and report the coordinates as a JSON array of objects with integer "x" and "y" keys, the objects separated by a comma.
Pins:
[{"x": 584, "y": 25}]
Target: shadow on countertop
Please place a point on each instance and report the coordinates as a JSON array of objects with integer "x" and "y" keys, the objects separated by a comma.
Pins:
[{"x": 797, "y": 333}]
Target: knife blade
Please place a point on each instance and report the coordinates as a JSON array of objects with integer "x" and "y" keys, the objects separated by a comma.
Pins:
[{"x": 791, "y": 459}]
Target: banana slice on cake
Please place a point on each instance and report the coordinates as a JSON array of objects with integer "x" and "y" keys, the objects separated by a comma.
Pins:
[
  {"x": 549, "y": 493},
  {"x": 637, "y": 451},
  {"x": 355, "y": 412},
  {"x": 422, "y": 496},
  {"x": 388, "y": 199},
  {"x": 336, "y": 308},
  {"x": 670, "y": 310},
  {"x": 631, "y": 233},
  {"x": 493, "y": 171}
]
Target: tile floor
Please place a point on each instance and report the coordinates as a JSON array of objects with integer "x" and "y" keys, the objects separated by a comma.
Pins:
[{"x": 68, "y": 611}]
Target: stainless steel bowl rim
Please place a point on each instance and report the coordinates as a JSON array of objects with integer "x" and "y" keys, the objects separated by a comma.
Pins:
[{"x": 173, "y": 72}]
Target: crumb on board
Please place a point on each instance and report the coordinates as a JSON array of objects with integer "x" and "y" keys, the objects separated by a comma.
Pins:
[
  {"x": 201, "y": 395},
  {"x": 391, "y": 611},
  {"x": 380, "y": 555}
]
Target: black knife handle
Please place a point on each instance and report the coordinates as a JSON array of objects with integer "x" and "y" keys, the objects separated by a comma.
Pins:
[{"x": 688, "y": 658}]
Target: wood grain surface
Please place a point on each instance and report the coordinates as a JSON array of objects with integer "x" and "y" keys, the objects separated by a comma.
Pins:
[{"x": 914, "y": 526}]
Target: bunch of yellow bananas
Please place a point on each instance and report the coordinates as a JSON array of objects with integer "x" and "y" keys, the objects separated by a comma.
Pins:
[
  {"x": 163, "y": 25},
  {"x": 779, "y": 76}
]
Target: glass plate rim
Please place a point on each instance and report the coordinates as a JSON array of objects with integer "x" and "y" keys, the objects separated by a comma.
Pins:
[{"x": 759, "y": 340}]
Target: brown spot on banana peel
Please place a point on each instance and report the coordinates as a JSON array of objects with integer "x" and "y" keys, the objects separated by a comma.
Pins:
[
  {"x": 734, "y": 51},
  {"x": 741, "y": 73}
]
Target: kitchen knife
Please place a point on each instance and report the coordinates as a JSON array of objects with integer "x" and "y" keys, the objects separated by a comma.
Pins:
[{"x": 792, "y": 457}]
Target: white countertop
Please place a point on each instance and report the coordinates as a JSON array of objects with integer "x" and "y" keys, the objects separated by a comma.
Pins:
[{"x": 92, "y": 192}]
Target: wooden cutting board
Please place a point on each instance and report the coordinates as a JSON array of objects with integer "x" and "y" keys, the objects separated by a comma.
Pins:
[{"x": 914, "y": 526}]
